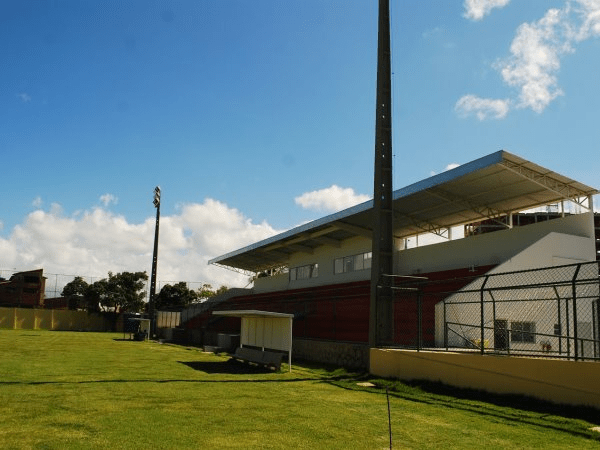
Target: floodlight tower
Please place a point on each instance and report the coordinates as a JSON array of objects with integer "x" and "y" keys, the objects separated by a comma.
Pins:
[
  {"x": 156, "y": 202},
  {"x": 381, "y": 316}
]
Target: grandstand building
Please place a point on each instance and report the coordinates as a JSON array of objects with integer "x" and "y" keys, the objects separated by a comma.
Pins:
[{"x": 320, "y": 271}]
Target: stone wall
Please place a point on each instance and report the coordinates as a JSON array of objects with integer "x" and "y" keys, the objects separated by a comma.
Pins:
[{"x": 350, "y": 355}]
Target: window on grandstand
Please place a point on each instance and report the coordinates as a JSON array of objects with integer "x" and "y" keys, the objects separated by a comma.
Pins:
[
  {"x": 522, "y": 332},
  {"x": 304, "y": 272},
  {"x": 353, "y": 263}
]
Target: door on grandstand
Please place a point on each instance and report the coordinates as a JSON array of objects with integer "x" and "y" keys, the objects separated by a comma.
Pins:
[{"x": 500, "y": 334}]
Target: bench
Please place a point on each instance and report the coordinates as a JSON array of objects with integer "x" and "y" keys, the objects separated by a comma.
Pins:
[{"x": 261, "y": 357}]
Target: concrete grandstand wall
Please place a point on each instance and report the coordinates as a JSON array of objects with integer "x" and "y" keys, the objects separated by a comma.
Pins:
[{"x": 499, "y": 247}]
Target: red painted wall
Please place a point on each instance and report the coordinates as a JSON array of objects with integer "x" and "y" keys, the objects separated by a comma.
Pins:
[{"x": 341, "y": 312}]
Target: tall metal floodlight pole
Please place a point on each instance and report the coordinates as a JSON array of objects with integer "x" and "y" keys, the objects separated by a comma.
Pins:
[
  {"x": 381, "y": 318},
  {"x": 156, "y": 202}
]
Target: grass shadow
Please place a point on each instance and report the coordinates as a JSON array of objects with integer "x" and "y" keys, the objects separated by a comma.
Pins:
[
  {"x": 229, "y": 367},
  {"x": 521, "y": 402},
  {"x": 505, "y": 407}
]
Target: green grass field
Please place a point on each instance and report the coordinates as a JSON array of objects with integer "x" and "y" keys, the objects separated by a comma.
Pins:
[{"x": 63, "y": 390}]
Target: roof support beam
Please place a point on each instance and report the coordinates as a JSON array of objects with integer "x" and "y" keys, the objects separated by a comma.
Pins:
[
  {"x": 235, "y": 269},
  {"x": 483, "y": 211},
  {"x": 425, "y": 227},
  {"x": 301, "y": 248},
  {"x": 326, "y": 240},
  {"x": 564, "y": 190},
  {"x": 301, "y": 238},
  {"x": 360, "y": 231}
]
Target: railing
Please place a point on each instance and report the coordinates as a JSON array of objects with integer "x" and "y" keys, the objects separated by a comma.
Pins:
[
  {"x": 546, "y": 312},
  {"x": 196, "y": 309}
]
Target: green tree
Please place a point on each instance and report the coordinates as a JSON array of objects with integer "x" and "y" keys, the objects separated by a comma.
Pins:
[
  {"x": 75, "y": 292},
  {"x": 175, "y": 297},
  {"x": 124, "y": 291},
  {"x": 95, "y": 294},
  {"x": 206, "y": 291},
  {"x": 119, "y": 293}
]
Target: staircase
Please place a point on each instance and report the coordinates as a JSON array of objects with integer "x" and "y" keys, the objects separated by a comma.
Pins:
[{"x": 194, "y": 310}]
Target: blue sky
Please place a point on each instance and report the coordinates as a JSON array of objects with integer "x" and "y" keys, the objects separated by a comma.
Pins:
[{"x": 256, "y": 116}]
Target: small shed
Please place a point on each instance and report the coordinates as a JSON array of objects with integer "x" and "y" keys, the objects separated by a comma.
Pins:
[
  {"x": 264, "y": 329},
  {"x": 137, "y": 327}
]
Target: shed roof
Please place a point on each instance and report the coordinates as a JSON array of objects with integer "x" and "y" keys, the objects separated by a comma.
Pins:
[
  {"x": 252, "y": 313},
  {"x": 488, "y": 187}
]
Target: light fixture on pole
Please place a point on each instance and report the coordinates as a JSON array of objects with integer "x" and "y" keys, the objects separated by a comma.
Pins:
[{"x": 156, "y": 202}]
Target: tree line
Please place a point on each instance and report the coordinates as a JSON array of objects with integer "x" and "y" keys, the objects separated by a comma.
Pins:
[{"x": 125, "y": 292}]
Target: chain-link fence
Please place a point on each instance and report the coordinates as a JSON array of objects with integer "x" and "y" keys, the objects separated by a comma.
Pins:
[{"x": 550, "y": 312}]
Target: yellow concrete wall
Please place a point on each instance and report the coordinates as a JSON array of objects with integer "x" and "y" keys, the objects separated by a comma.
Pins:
[
  {"x": 47, "y": 319},
  {"x": 7, "y": 317},
  {"x": 559, "y": 381}
]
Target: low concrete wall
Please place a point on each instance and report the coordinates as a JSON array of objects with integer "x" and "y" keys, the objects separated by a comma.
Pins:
[
  {"x": 344, "y": 354},
  {"x": 559, "y": 381}
]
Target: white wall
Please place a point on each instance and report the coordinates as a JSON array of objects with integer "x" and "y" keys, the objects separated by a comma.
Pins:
[
  {"x": 551, "y": 250},
  {"x": 486, "y": 249},
  {"x": 498, "y": 247},
  {"x": 267, "y": 332},
  {"x": 324, "y": 256}
]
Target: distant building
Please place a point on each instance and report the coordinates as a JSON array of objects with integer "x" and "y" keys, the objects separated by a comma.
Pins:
[
  {"x": 23, "y": 290},
  {"x": 57, "y": 303}
]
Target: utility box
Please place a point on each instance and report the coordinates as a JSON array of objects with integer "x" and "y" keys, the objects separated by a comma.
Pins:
[{"x": 228, "y": 342}]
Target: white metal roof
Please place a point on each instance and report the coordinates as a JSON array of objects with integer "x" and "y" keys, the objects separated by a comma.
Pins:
[
  {"x": 491, "y": 186},
  {"x": 252, "y": 313}
]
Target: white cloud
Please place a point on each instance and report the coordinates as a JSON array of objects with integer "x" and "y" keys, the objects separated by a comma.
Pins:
[
  {"x": 107, "y": 199},
  {"x": 478, "y": 9},
  {"x": 535, "y": 58},
  {"x": 448, "y": 167},
  {"x": 93, "y": 242},
  {"x": 483, "y": 108},
  {"x": 37, "y": 202},
  {"x": 589, "y": 11},
  {"x": 432, "y": 32},
  {"x": 330, "y": 199},
  {"x": 25, "y": 97}
]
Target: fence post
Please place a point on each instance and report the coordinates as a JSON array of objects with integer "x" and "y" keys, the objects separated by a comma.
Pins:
[
  {"x": 482, "y": 293},
  {"x": 334, "y": 320},
  {"x": 493, "y": 319},
  {"x": 559, "y": 320},
  {"x": 574, "y": 289},
  {"x": 420, "y": 319},
  {"x": 445, "y": 327}
]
